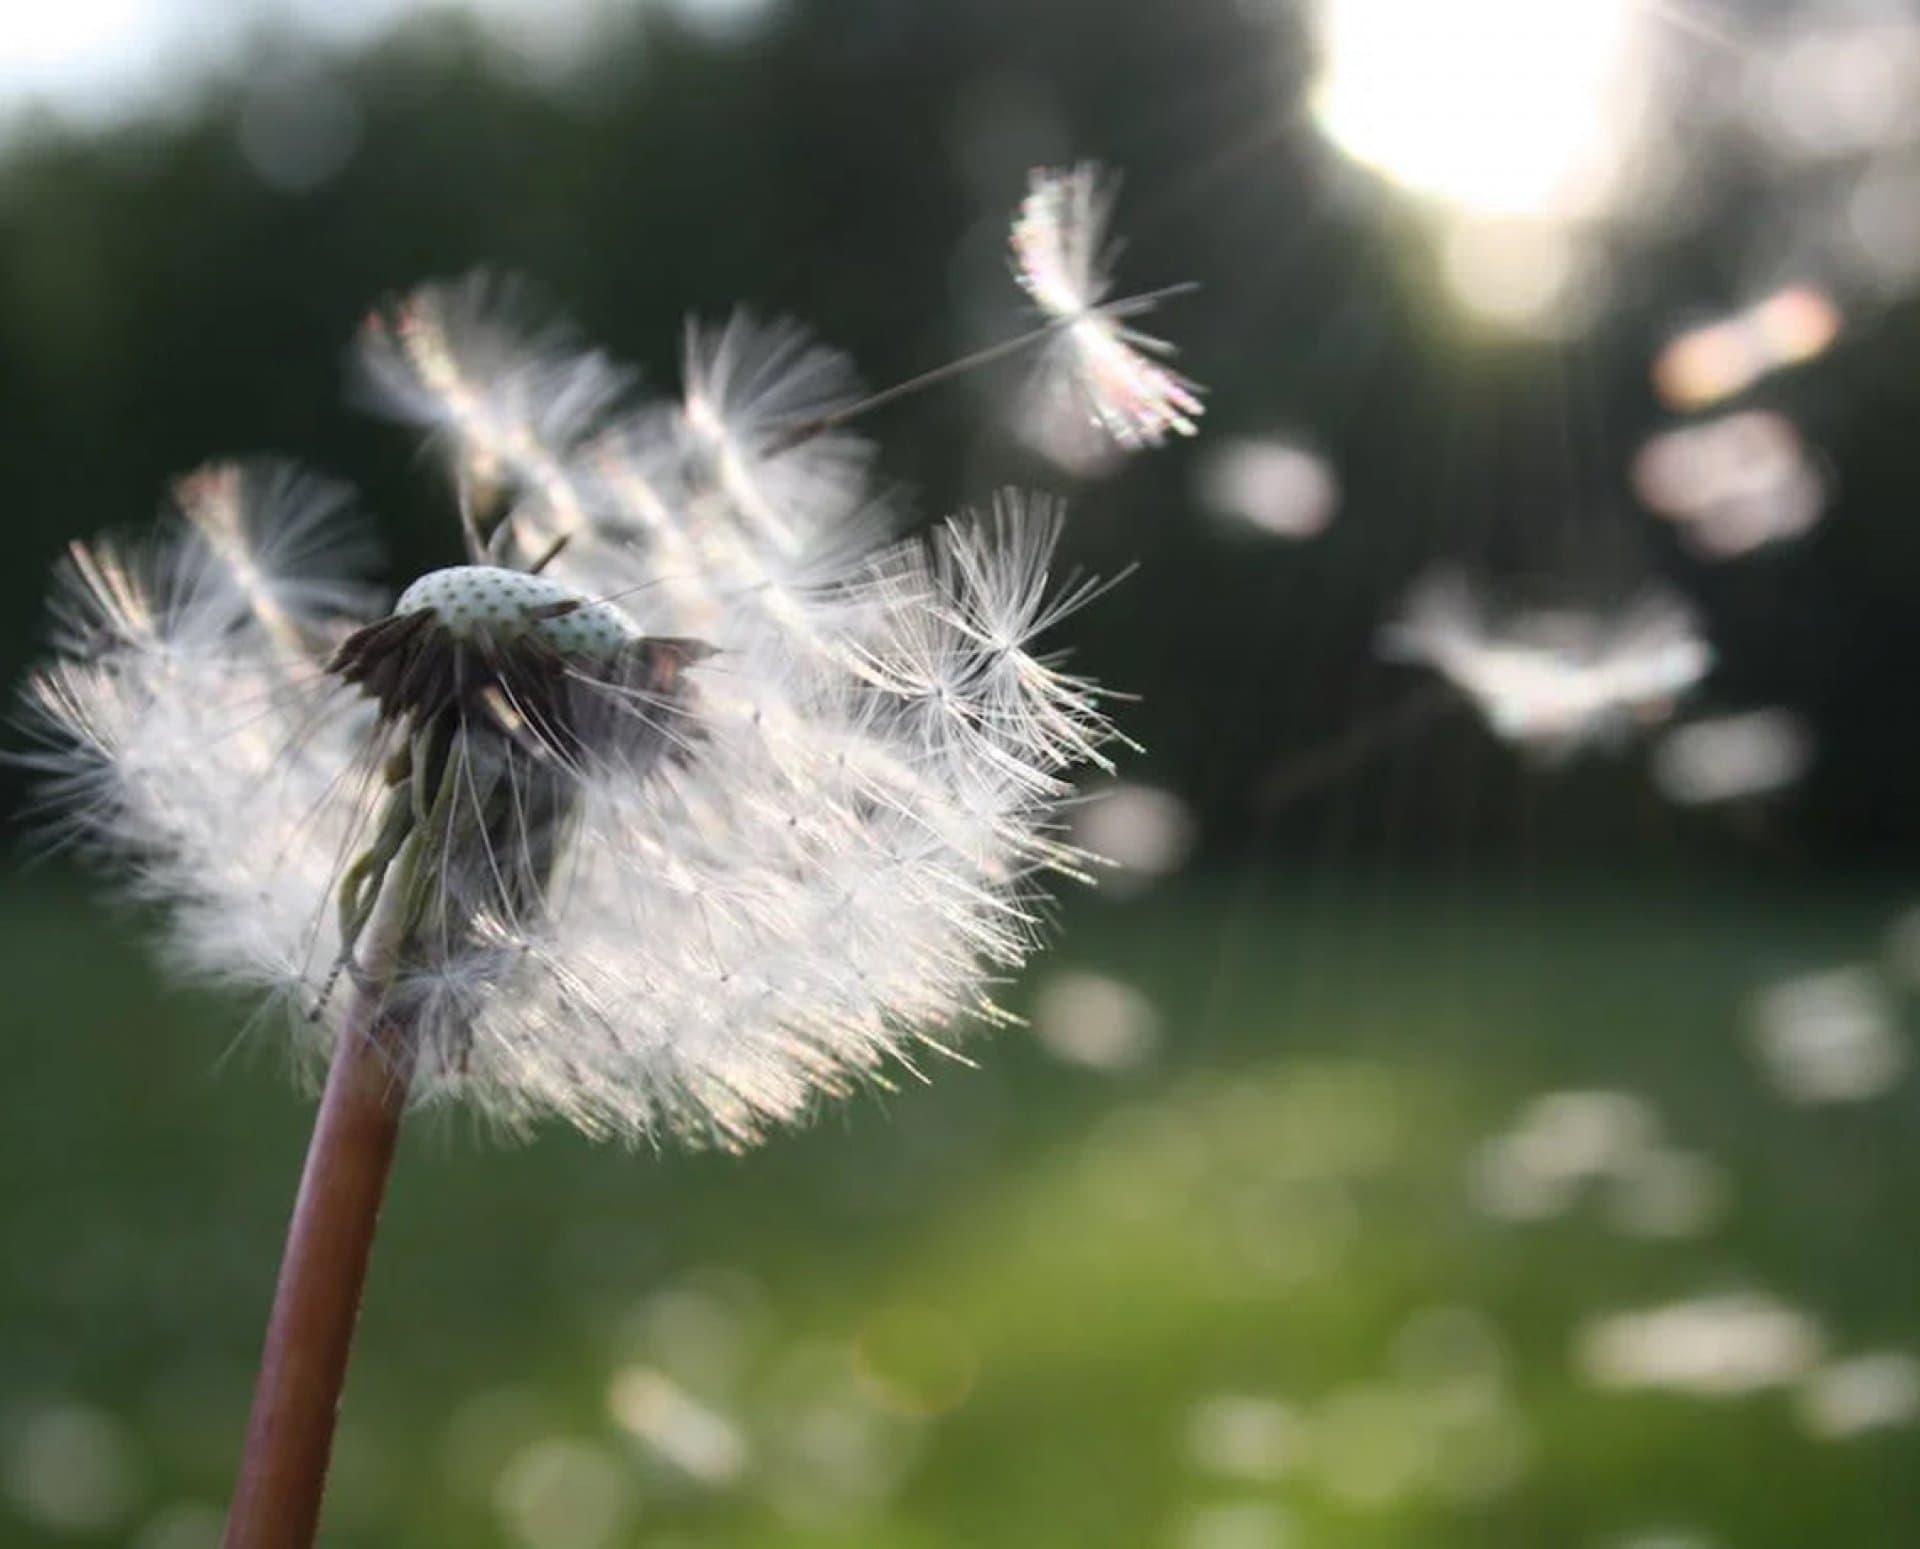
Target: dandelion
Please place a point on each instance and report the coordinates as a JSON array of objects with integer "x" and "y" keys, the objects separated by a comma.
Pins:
[
  {"x": 1097, "y": 371},
  {"x": 1553, "y": 682},
  {"x": 679, "y": 805}
]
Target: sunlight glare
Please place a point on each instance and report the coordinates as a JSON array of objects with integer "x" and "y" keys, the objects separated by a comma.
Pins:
[{"x": 1502, "y": 107}]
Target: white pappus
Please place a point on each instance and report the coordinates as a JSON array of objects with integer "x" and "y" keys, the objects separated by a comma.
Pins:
[
  {"x": 684, "y": 801},
  {"x": 1097, "y": 370}
]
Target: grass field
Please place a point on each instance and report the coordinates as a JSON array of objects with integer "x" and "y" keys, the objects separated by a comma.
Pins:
[{"x": 1268, "y": 1288}]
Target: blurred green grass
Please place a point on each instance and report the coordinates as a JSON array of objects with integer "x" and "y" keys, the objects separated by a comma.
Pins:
[{"x": 1237, "y": 1298}]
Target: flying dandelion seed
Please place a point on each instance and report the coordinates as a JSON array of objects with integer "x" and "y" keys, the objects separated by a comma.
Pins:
[
  {"x": 1097, "y": 371},
  {"x": 1554, "y": 683},
  {"x": 681, "y": 804}
]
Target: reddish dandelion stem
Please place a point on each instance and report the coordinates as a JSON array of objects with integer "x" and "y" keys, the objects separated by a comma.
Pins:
[{"x": 276, "y": 1501}]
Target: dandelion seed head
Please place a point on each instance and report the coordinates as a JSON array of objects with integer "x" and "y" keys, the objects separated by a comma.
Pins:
[{"x": 688, "y": 800}]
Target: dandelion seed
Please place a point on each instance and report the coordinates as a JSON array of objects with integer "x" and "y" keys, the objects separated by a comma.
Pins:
[
  {"x": 1553, "y": 682},
  {"x": 1097, "y": 366}
]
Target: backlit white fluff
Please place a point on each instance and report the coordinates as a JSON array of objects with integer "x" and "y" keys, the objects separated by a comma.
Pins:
[
  {"x": 507, "y": 393},
  {"x": 788, "y": 877},
  {"x": 1554, "y": 682},
  {"x": 188, "y": 725},
  {"x": 1097, "y": 370}
]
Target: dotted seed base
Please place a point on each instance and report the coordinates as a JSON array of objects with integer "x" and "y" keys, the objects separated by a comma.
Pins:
[{"x": 509, "y": 604}]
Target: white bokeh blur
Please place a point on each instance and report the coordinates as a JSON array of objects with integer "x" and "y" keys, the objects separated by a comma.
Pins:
[
  {"x": 1719, "y": 1346},
  {"x": 1094, "y": 1021},
  {"x": 1270, "y": 486},
  {"x": 1877, "y": 1391},
  {"x": 1830, "y": 1037},
  {"x": 1732, "y": 485},
  {"x": 1607, "y": 1147},
  {"x": 1733, "y": 757},
  {"x": 1142, "y": 832}
]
